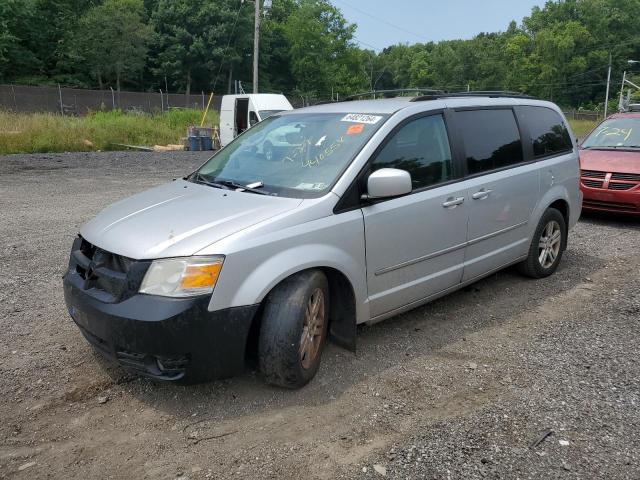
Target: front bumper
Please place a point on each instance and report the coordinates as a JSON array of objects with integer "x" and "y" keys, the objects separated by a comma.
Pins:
[
  {"x": 162, "y": 338},
  {"x": 601, "y": 200}
]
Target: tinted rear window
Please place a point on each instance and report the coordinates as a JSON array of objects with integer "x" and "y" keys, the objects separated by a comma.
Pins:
[
  {"x": 549, "y": 135},
  {"x": 491, "y": 139}
]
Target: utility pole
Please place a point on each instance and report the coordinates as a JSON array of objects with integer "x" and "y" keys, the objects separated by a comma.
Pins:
[
  {"x": 606, "y": 98},
  {"x": 624, "y": 80},
  {"x": 256, "y": 46}
]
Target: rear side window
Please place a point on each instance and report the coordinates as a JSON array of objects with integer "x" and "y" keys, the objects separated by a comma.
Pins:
[
  {"x": 549, "y": 135},
  {"x": 491, "y": 139},
  {"x": 421, "y": 147}
]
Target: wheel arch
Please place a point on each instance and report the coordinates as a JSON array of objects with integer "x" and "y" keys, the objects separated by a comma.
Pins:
[
  {"x": 563, "y": 207},
  {"x": 342, "y": 309},
  {"x": 556, "y": 197}
]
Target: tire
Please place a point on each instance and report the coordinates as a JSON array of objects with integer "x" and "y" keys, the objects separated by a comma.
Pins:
[
  {"x": 267, "y": 149},
  {"x": 538, "y": 265},
  {"x": 284, "y": 359}
]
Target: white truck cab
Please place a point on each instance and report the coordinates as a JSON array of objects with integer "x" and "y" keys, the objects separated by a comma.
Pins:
[{"x": 239, "y": 112}]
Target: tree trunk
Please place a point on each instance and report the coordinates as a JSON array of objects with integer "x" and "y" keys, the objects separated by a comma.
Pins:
[
  {"x": 230, "y": 79},
  {"x": 100, "y": 79},
  {"x": 118, "y": 81},
  {"x": 188, "y": 92}
]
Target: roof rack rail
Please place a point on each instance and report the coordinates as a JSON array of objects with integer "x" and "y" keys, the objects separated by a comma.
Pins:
[
  {"x": 397, "y": 92},
  {"x": 478, "y": 93}
]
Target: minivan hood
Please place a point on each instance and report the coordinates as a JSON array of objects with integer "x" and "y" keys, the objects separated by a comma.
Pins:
[
  {"x": 178, "y": 219},
  {"x": 615, "y": 161}
]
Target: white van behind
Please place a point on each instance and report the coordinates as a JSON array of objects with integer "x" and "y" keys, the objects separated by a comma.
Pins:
[{"x": 239, "y": 112}]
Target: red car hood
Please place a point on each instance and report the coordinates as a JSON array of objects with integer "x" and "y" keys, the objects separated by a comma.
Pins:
[{"x": 614, "y": 161}]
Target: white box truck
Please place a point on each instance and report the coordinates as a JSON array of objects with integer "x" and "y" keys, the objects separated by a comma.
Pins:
[{"x": 239, "y": 112}]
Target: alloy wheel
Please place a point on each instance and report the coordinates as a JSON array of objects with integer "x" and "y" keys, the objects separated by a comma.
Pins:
[
  {"x": 549, "y": 244},
  {"x": 312, "y": 329}
]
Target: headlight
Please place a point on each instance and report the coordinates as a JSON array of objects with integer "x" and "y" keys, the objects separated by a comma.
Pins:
[{"x": 182, "y": 277}]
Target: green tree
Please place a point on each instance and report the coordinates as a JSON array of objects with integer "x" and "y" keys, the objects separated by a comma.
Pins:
[
  {"x": 17, "y": 57},
  {"x": 275, "y": 63},
  {"x": 111, "y": 40},
  {"x": 191, "y": 39},
  {"x": 321, "y": 50}
]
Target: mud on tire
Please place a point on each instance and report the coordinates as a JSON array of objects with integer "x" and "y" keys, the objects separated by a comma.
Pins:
[{"x": 285, "y": 356}]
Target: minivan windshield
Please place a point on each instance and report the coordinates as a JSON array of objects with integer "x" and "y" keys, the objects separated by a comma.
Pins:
[
  {"x": 297, "y": 155},
  {"x": 615, "y": 133}
]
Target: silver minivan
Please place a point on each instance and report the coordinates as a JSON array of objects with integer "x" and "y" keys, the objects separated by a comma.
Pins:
[{"x": 362, "y": 210}]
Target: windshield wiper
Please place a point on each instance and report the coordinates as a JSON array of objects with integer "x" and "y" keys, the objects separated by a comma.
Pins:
[
  {"x": 252, "y": 187},
  {"x": 228, "y": 184},
  {"x": 611, "y": 147},
  {"x": 199, "y": 178}
]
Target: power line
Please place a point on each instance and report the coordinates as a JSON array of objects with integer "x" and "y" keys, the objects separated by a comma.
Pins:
[
  {"x": 365, "y": 43},
  {"x": 224, "y": 55},
  {"x": 397, "y": 27}
]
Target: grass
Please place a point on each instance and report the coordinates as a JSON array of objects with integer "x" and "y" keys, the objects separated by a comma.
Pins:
[
  {"x": 582, "y": 128},
  {"x": 43, "y": 132}
]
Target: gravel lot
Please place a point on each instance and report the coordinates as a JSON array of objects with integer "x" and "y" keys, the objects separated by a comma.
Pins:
[{"x": 509, "y": 378}]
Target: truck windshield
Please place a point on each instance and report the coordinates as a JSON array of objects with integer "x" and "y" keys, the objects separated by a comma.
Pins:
[
  {"x": 615, "y": 133},
  {"x": 299, "y": 155},
  {"x": 264, "y": 114}
]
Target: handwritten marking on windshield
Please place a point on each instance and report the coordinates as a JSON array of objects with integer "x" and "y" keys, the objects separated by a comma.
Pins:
[
  {"x": 614, "y": 131},
  {"x": 324, "y": 154},
  {"x": 300, "y": 150},
  {"x": 297, "y": 151}
]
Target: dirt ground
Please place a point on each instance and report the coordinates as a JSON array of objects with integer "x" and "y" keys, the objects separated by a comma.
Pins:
[{"x": 509, "y": 378}]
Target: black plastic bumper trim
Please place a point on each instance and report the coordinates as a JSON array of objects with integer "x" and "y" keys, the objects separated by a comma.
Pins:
[{"x": 161, "y": 337}]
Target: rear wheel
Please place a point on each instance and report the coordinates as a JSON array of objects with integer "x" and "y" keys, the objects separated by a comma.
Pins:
[
  {"x": 294, "y": 329},
  {"x": 548, "y": 244}
]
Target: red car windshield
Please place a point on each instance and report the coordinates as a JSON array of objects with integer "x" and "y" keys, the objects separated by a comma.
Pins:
[{"x": 615, "y": 133}]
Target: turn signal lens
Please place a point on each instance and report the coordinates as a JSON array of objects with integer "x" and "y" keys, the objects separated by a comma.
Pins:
[
  {"x": 182, "y": 277},
  {"x": 200, "y": 276}
]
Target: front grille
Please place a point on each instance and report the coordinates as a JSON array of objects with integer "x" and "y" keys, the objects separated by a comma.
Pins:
[
  {"x": 108, "y": 276},
  {"x": 633, "y": 177},
  {"x": 621, "y": 186},
  {"x": 592, "y": 183},
  {"x": 593, "y": 174},
  {"x": 617, "y": 181}
]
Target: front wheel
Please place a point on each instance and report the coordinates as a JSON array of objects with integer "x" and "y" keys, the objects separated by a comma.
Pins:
[
  {"x": 548, "y": 244},
  {"x": 294, "y": 329}
]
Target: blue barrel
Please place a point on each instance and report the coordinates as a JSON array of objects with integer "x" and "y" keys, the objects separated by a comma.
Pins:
[
  {"x": 207, "y": 143},
  {"x": 194, "y": 144}
]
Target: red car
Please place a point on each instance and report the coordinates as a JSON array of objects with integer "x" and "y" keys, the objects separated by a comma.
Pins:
[{"x": 610, "y": 165}]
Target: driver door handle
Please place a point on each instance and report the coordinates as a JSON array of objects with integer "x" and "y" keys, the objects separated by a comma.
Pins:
[
  {"x": 481, "y": 195},
  {"x": 452, "y": 202}
]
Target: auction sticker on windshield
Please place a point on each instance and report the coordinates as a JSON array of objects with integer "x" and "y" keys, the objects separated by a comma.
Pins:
[
  {"x": 361, "y": 118},
  {"x": 356, "y": 129}
]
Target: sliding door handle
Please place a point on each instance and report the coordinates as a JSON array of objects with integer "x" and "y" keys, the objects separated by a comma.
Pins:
[
  {"x": 452, "y": 202},
  {"x": 481, "y": 195}
]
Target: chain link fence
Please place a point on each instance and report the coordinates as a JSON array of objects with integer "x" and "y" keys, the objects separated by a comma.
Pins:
[
  {"x": 583, "y": 115},
  {"x": 75, "y": 101}
]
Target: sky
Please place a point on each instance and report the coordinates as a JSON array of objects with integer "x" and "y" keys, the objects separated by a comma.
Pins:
[{"x": 386, "y": 22}]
